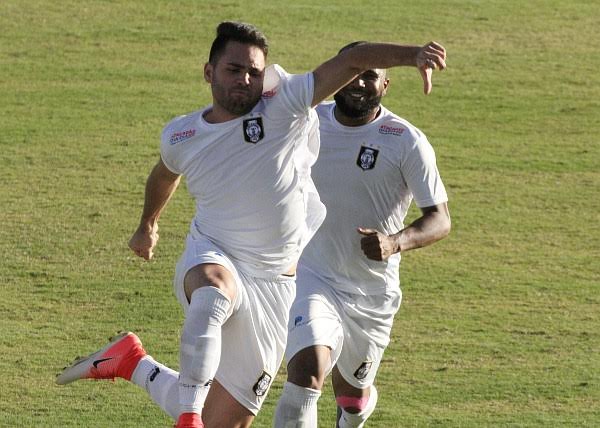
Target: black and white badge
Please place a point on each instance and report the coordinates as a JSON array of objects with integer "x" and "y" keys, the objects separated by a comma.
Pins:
[
  {"x": 363, "y": 370},
  {"x": 261, "y": 386},
  {"x": 253, "y": 130},
  {"x": 367, "y": 158}
]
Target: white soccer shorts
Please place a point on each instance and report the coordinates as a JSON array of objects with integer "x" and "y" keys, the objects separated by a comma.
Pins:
[
  {"x": 357, "y": 328},
  {"x": 254, "y": 336}
]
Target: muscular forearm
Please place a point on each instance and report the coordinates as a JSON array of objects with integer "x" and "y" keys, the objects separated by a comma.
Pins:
[
  {"x": 160, "y": 186},
  {"x": 432, "y": 226},
  {"x": 381, "y": 55},
  {"x": 344, "y": 67}
]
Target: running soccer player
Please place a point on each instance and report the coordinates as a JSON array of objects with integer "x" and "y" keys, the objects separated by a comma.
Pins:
[
  {"x": 371, "y": 165},
  {"x": 246, "y": 159}
]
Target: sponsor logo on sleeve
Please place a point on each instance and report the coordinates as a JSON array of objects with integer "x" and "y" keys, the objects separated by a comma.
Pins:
[
  {"x": 253, "y": 130},
  {"x": 181, "y": 136},
  {"x": 367, "y": 158},
  {"x": 269, "y": 94}
]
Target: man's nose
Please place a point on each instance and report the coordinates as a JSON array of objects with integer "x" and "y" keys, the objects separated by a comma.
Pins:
[
  {"x": 358, "y": 82},
  {"x": 245, "y": 78}
]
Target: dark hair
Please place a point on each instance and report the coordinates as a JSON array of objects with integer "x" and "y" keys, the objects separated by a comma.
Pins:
[
  {"x": 236, "y": 32},
  {"x": 351, "y": 45}
]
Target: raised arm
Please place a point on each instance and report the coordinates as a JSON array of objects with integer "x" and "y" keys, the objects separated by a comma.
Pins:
[
  {"x": 160, "y": 186},
  {"x": 340, "y": 70}
]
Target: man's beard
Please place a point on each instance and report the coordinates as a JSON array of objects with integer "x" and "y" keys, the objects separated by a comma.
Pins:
[
  {"x": 356, "y": 110},
  {"x": 237, "y": 107}
]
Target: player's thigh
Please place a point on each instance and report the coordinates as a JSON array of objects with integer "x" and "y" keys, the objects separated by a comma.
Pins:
[
  {"x": 367, "y": 322},
  {"x": 314, "y": 321},
  {"x": 253, "y": 339},
  {"x": 201, "y": 263},
  {"x": 221, "y": 410}
]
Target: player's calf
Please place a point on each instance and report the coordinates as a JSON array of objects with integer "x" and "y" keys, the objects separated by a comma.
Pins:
[{"x": 354, "y": 411}]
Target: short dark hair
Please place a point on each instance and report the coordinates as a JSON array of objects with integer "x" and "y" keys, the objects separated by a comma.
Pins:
[{"x": 236, "y": 32}]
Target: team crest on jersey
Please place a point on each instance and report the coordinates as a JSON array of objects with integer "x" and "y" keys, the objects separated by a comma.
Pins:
[
  {"x": 367, "y": 158},
  {"x": 363, "y": 370},
  {"x": 253, "y": 130},
  {"x": 261, "y": 386}
]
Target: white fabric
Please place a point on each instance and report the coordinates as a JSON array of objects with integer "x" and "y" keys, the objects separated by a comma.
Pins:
[
  {"x": 253, "y": 198},
  {"x": 200, "y": 349},
  {"x": 377, "y": 198},
  {"x": 297, "y": 407},
  {"x": 253, "y": 337},
  {"x": 356, "y": 327},
  {"x": 160, "y": 382}
]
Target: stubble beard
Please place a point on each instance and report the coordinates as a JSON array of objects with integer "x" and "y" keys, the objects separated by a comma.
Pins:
[
  {"x": 237, "y": 107},
  {"x": 357, "y": 110}
]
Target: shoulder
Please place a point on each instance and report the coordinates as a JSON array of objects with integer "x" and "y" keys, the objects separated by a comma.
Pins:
[
  {"x": 324, "y": 110},
  {"x": 396, "y": 128},
  {"x": 181, "y": 128}
]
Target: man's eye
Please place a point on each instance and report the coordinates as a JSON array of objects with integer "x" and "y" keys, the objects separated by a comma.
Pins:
[{"x": 369, "y": 77}]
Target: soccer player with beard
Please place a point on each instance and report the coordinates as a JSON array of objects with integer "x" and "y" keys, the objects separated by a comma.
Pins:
[
  {"x": 246, "y": 159},
  {"x": 371, "y": 165}
]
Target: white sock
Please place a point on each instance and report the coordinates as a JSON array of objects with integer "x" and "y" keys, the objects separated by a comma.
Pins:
[
  {"x": 200, "y": 350},
  {"x": 160, "y": 382},
  {"x": 357, "y": 420},
  {"x": 297, "y": 407}
]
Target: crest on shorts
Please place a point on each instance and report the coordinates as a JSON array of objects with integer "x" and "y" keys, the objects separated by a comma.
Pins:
[
  {"x": 253, "y": 130},
  {"x": 363, "y": 370},
  {"x": 261, "y": 386},
  {"x": 367, "y": 158}
]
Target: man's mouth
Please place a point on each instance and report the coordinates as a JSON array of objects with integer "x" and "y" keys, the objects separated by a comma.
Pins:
[{"x": 354, "y": 95}]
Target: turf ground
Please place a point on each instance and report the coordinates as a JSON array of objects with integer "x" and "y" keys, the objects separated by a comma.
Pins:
[{"x": 499, "y": 323}]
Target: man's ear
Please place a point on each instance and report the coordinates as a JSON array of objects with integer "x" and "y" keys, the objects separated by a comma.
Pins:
[
  {"x": 386, "y": 84},
  {"x": 208, "y": 72}
]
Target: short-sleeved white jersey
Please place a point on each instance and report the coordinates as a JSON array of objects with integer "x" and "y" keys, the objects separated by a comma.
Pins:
[
  {"x": 250, "y": 176},
  {"x": 367, "y": 177}
]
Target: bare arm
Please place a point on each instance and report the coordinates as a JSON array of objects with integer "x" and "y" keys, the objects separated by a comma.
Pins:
[
  {"x": 160, "y": 186},
  {"x": 340, "y": 70},
  {"x": 432, "y": 226}
]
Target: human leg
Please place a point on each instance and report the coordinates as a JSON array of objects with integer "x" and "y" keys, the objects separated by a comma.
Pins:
[
  {"x": 355, "y": 405},
  {"x": 367, "y": 324},
  {"x": 314, "y": 342},
  {"x": 297, "y": 406},
  {"x": 210, "y": 288},
  {"x": 124, "y": 357}
]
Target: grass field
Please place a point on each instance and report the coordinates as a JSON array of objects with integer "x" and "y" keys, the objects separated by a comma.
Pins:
[{"x": 499, "y": 325}]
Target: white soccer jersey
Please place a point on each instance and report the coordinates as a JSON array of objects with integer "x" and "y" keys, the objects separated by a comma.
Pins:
[
  {"x": 367, "y": 177},
  {"x": 250, "y": 176}
]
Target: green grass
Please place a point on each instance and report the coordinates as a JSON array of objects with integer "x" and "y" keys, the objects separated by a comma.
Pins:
[{"x": 498, "y": 327}]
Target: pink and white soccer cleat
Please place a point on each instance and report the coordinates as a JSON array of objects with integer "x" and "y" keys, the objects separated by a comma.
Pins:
[{"x": 119, "y": 358}]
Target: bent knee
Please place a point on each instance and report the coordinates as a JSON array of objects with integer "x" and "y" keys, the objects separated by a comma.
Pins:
[
  {"x": 308, "y": 367},
  {"x": 212, "y": 275}
]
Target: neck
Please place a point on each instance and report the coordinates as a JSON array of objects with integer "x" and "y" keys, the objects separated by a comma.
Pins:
[
  {"x": 218, "y": 115},
  {"x": 356, "y": 121}
]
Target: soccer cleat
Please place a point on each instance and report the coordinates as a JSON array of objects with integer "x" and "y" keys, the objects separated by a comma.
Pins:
[
  {"x": 189, "y": 420},
  {"x": 119, "y": 358}
]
